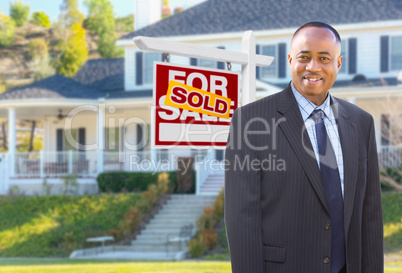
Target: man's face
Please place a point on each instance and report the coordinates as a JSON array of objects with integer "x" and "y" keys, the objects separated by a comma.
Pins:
[{"x": 314, "y": 61}]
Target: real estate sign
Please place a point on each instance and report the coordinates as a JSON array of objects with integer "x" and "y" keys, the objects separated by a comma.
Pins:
[{"x": 192, "y": 106}]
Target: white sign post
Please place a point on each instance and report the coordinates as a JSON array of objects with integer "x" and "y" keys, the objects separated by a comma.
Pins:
[{"x": 247, "y": 58}]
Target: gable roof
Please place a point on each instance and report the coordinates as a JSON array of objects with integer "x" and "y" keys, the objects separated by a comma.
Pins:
[
  {"x": 220, "y": 16},
  {"x": 54, "y": 87},
  {"x": 102, "y": 74}
]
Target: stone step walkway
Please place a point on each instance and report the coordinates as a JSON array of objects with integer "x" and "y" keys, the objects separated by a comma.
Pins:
[
  {"x": 213, "y": 184},
  {"x": 150, "y": 244}
]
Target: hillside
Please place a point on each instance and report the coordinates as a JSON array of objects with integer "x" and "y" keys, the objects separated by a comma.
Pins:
[{"x": 14, "y": 59}]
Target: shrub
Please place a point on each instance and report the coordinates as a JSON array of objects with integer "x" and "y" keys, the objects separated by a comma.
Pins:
[
  {"x": 196, "y": 247},
  {"x": 37, "y": 48},
  {"x": 210, "y": 238},
  {"x": 40, "y": 18},
  {"x": 19, "y": 13},
  {"x": 138, "y": 181},
  {"x": 7, "y": 30},
  {"x": 206, "y": 227}
]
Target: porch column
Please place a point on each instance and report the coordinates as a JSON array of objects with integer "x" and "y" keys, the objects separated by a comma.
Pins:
[
  {"x": 12, "y": 136},
  {"x": 101, "y": 136}
]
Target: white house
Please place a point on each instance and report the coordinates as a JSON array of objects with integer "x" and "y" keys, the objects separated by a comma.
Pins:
[{"x": 98, "y": 121}]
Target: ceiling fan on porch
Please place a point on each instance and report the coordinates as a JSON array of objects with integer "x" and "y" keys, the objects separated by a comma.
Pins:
[{"x": 60, "y": 116}]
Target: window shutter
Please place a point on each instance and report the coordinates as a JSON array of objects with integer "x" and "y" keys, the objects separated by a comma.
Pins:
[
  {"x": 140, "y": 135},
  {"x": 59, "y": 140},
  {"x": 193, "y": 61},
  {"x": 258, "y": 69},
  {"x": 384, "y": 54},
  {"x": 81, "y": 137},
  {"x": 352, "y": 56},
  {"x": 221, "y": 65},
  {"x": 138, "y": 67},
  {"x": 282, "y": 60}
]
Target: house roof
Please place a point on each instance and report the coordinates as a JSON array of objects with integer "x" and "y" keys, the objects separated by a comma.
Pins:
[
  {"x": 53, "y": 87},
  {"x": 102, "y": 78},
  {"x": 102, "y": 74},
  {"x": 220, "y": 16}
]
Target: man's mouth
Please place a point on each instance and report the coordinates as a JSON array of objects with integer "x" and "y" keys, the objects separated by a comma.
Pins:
[{"x": 312, "y": 79}]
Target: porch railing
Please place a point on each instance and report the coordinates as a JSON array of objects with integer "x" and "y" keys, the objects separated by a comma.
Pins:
[
  {"x": 55, "y": 164},
  {"x": 84, "y": 164},
  {"x": 390, "y": 156}
]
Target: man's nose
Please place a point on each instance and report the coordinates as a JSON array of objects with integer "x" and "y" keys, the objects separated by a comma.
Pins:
[{"x": 313, "y": 65}]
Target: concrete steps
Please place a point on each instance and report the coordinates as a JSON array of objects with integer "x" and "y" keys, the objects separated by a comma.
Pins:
[
  {"x": 181, "y": 209},
  {"x": 213, "y": 184}
]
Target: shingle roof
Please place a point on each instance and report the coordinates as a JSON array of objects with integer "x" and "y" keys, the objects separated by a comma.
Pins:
[
  {"x": 103, "y": 74},
  {"x": 53, "y": 87},
  {"x": 220, "y": 16}
]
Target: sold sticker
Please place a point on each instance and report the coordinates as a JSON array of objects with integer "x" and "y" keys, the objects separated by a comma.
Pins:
[{"x": 190, "y": 98}]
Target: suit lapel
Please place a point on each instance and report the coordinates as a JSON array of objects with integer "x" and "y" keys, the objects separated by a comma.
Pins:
[
  {"x": 349, "y": 142},
  {"x": 294, "y": 130}
]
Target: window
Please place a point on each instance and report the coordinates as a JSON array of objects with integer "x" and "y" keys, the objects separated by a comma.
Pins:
[
  {"x": 269, "y": 71},
  {"x": 149, "y": 59},
  {"x": 344, "y": 54},
  {"x": 66, "y": 144},
  {"x": 396, "y": 53},
  {"x": 206, "y": 63}
]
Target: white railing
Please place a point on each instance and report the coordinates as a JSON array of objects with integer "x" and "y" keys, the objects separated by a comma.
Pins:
[
  {"x": 203, "y": 169},
  {"x": 84, "y": 164},
  {"x": 390, "y": 156},
  {"x": 55, "y": 164}
]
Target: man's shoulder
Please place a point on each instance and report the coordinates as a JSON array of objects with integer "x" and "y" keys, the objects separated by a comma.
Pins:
[{"x": 353, "y": 111}]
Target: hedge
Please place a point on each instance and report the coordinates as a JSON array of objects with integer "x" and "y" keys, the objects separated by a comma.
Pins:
[{"x": 136, "y": 181}]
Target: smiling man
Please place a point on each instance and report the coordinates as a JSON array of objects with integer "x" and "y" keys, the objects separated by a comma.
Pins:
[{"x": 321, "y": 211}]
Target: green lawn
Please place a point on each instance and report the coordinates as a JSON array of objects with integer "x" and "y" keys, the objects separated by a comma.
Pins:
[{"x": 91, "y": 266}]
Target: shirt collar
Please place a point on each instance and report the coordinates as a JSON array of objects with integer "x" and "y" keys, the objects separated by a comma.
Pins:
[{"x": 307, "y": 107}]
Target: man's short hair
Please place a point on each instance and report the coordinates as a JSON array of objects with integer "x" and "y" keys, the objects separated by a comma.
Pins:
[{"x": 319, "y": 25}]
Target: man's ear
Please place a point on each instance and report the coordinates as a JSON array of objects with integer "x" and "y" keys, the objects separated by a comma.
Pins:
[
  {"x": 289, "y": 58},
  {"x": 339, "y": 60}
]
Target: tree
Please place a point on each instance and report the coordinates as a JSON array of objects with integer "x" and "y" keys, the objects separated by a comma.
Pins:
[
  {"x": 19, "y": 13},
  {"x": 101, "y": 21},
  {"x": 74, "y": 51},
  {"x": 7, "y": 30},
  {"x": 70, "y": 14},
  {"x": 390, "y": 156},
  {"x": 38, "y": 48},
  {"x": 41, "y": 68},
  {"x": 40, "y": 18},
  {"x": 124, "y": 24}
]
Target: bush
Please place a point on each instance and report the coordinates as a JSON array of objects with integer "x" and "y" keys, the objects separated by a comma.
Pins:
[
  {"x": 19, "y": 13},
  {"x": 38, "y": 48},
  {"x": 130, "y": 181},
  {"x": 7, "y": 30},
  {"x": 196, "y": 247},
  {"x": 40, "y": 18}
]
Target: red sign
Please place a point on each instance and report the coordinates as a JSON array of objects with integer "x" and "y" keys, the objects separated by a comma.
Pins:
[{"x": 184, "y": 114}]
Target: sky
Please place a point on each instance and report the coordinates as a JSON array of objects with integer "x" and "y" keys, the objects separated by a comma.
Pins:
[{"x": 121, "y": 7}]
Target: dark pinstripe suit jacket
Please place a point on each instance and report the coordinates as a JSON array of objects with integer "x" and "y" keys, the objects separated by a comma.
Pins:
[{"x": 276, "y": 213}]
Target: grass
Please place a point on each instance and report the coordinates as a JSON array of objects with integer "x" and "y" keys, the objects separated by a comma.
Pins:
[
  {"x": 392, "y": 209},
  {"x": 53, "y": 226},
  {"x": 95, "y": 266}
]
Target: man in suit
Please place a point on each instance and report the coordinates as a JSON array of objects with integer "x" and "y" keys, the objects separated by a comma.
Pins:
[{"x": 302, "y": 191}]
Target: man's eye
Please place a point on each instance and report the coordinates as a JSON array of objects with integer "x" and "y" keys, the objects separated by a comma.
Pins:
[
  {"x": 303, "y": 57},
  {"x": 325, "y": 58}
]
